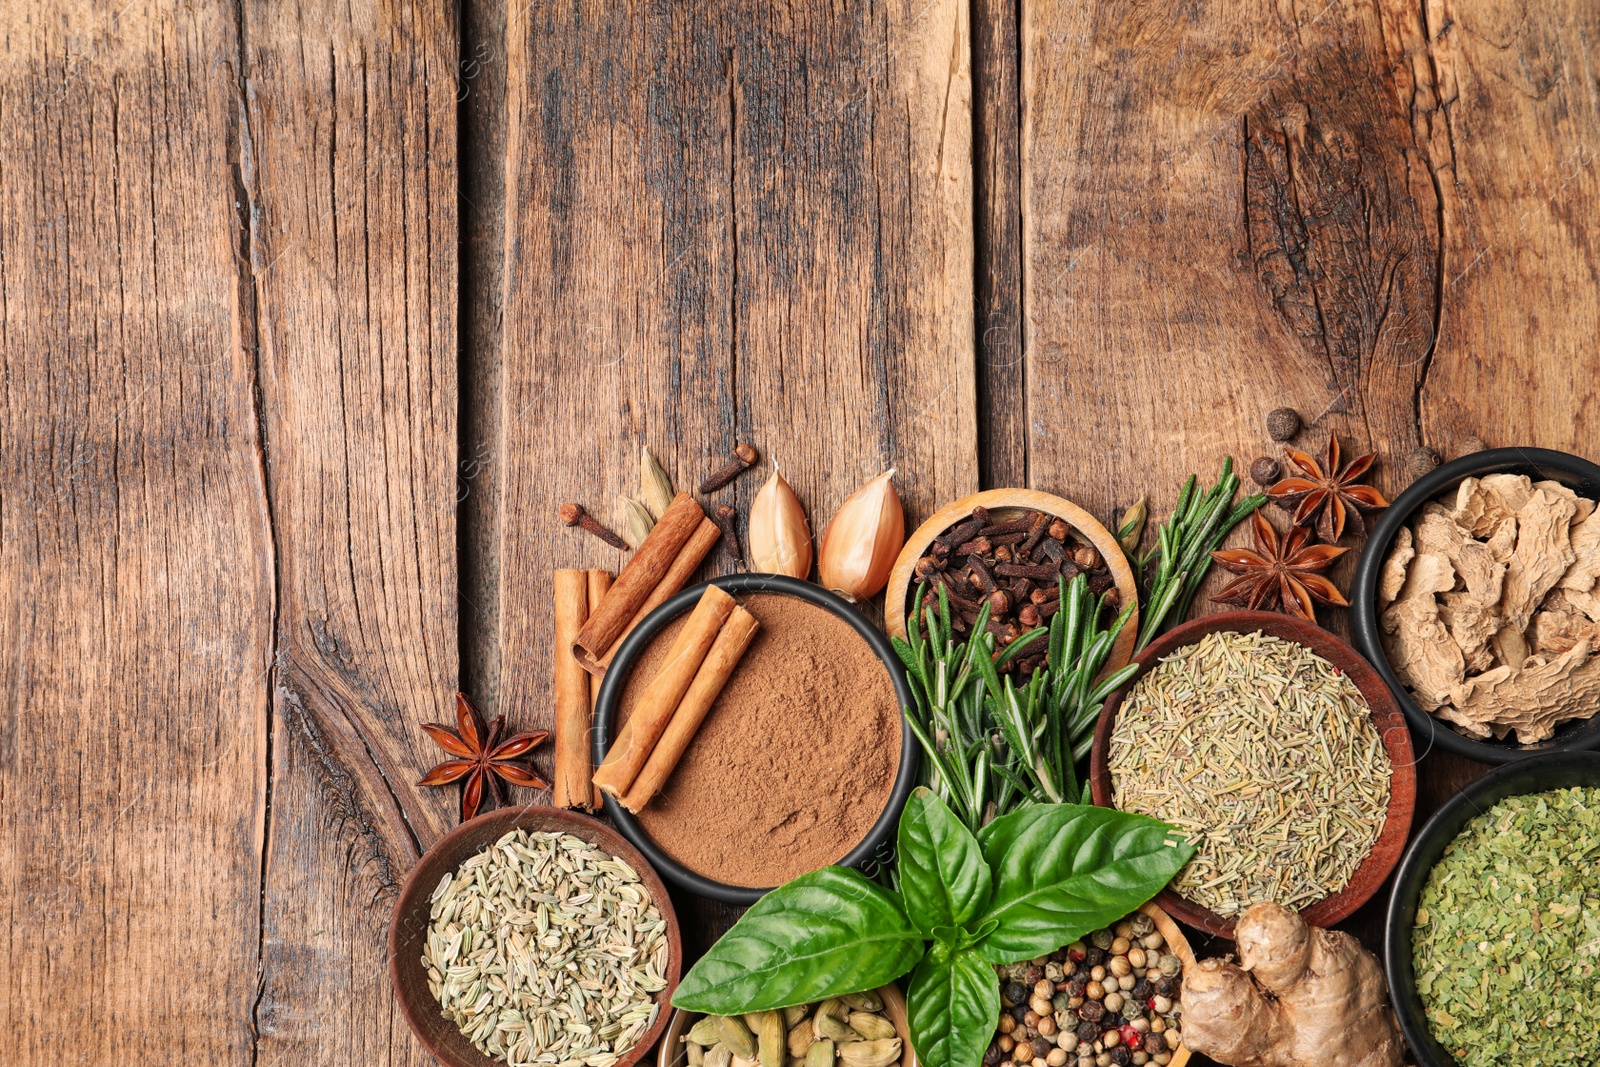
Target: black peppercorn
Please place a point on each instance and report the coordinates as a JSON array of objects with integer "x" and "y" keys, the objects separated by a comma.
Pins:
[
  {"x": 1166, "y": 986},
  {"x": 1093, "y": 956},
  {"x": 1154, "y": 1043},
  {"x": 1018, "y": 1012},
  {"x": 1143, "y": 990},
  {"x": 1087, "y": 1032},
  {"x": 1032, "y": 975},
  {"x": 1121, "y": 1056},
  {"x": 1076, "y": 987},
  {"x": 1041, "y": 1048},
  {"x": 994, "y": 1055},
  {"x": 1015, "y": 993},
  {"x": 1092, "y": 1011}
]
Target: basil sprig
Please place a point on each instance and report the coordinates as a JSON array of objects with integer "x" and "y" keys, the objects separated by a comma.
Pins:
[{"x": 1027, "y": 884}]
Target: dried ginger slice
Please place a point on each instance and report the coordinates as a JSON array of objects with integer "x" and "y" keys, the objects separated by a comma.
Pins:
[
  {"x": 1542, "y": 556},
  {"x": 1585, "y": 568},
  {"x": 1559, "y": 625},
  {"x": 1531, "y": 701},
  {"x": 1583, "y": 505},
  {"x": 1393, "y": 575},
  {"x": 1472, "y": 614},
  {"x": 1424, "y": 656}
]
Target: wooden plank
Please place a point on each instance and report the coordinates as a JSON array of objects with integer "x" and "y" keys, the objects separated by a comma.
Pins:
[
  {"x": 740, "y": 225},
  {"x": 351, "y": 177},
  {"x": 1231, "y": 208},
  {"x": 997, "y": 244},
  {"x": 136, "y": 558},
  {"x": 1513, "y": 110}
]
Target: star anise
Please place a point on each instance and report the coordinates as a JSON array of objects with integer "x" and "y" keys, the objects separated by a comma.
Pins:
[
  {"x": 1282, "y": 575},
  {"x": 1328, "y": 493},
  {"x": 484, "y": 757}
]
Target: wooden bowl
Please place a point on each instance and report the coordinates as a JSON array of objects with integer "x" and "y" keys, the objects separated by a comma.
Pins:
[
  {"x": 408, "y": 928},
  {"x": 1006, "y": 504},
  {"x": 1386, "y": 717},
  {"x": 673, "y": 1054}
]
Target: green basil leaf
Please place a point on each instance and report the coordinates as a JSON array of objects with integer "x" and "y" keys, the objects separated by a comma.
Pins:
[
  {"x": 943, "y": 876},
  {"x": 952, "y": 1004},
  {"x": 825, "y": 933},
  {"x": 1064, "y": 870}
]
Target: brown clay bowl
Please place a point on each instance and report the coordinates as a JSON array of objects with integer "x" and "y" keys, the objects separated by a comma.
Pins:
[
  {"x": 673, "y": 1054},
  {"x": 1006, "y": 504},
  {"x": 1386, "y": 717},
  {"x": 408, "y": 928}
]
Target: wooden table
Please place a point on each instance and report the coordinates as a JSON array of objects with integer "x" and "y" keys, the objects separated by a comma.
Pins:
[{"x": 311, "y": 313}]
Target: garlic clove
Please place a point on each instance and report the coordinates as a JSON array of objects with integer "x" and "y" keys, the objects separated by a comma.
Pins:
[
  {"x": 862, "y": 540},
  {"x": 777, "y": 534}
]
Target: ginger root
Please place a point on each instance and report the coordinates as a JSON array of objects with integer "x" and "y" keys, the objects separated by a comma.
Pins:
[{"x": 1299, "y": 997}]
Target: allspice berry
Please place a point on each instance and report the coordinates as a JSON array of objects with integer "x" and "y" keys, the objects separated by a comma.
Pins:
[
  {"x": 1283, "y": 423},
  {"x": 1264, "y": 471},
  {"x": 1420, "y": 461}
]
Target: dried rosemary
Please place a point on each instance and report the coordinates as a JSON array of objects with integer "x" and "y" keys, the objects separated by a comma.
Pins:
[
  {"x": 1265, "y": 755},
  {"x": 544, "y": 949}
]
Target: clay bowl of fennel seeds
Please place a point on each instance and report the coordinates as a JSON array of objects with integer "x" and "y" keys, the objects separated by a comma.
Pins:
[
  {"x": 534, "y": 935},
  {"x": 1280, "y": 754}
]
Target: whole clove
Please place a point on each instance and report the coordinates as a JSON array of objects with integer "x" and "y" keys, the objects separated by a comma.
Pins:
[
  {"x": 574, "y": 515},
  {"x": 1012, "y": 564},
  {"x": 740, "y": 460},
  {"x": 727, "y": 519}
]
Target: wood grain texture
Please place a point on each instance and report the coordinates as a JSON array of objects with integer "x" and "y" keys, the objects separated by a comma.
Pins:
[
  {"x": 136, "y": 560},
  {"x": 997, "y": 244},
  {"x": 1508, "y": 100},
  {"x": 745, "y": 224},
  {"x": 351, "y": 177}
]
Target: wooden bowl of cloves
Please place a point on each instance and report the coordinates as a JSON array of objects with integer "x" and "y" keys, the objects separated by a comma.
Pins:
[{"x": 1006, "y": 547}]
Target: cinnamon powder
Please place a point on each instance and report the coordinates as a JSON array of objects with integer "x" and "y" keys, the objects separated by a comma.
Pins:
[{"x": 796, "y": 759}]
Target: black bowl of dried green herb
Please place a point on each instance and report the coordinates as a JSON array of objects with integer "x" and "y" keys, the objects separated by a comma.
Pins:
[
  {"x": 1491, "y": 938},
  {"x": 1477, "y": 597}
]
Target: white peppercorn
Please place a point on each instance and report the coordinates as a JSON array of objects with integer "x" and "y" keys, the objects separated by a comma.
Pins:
[
  {"x": 1114, "y": 1002},
  {"x": 1067, "y": 1040},
  {"x": 1152, "y": 941},
  {"x": 1057, "y": 1058},
  {"x": 1127, "y": 982}
]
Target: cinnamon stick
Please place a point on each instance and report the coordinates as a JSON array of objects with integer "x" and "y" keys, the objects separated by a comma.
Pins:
[
  {"x": 665, "y": 691},
  {"x": 732, "y": 640},
  {"x": 574, "y": 714},
  {"x": 697, "y": 548},
  {"x": 599, "y": 585},
  {"x": 638, "y": 581}
]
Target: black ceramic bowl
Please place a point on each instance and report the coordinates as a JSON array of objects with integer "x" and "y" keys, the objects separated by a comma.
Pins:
[
  {"x": 875, "y": 850},
  {"x": 1537, "y": 774},
  {"x": 1540, "y": 464}
]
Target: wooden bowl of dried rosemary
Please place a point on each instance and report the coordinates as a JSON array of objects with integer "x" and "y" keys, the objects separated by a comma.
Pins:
[
  {"x": 1278, "y": 748},
  {"x": 985, "y": 549},
  {"x": 500, "y": 894}
]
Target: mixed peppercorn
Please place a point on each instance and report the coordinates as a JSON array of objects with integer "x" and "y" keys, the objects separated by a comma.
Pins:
[{"x": 1112, "y": 999}]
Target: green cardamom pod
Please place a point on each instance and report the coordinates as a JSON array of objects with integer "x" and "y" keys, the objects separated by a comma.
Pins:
[
  {"x": 820, "y": 1054},
  {"x": 655, "y": 488},
  {"x": 835, "y": 1030},
  {"x": 736, "y": 1035},
  {"x": 1131, "y": 530},
  {"x": 870, "y": 1053},
  {"x": 635, "y": 520},
  {"x": 871, "y": 1026},
  {"x": 718, "y": 1055},
  {"x": 770, "y": 1039},
  {"x": 704, "y": 1031},
  {"x": 868, "y": 1001},
  {"x": 800, "y": 1037},
  {"x": 793, "y": 1016}
]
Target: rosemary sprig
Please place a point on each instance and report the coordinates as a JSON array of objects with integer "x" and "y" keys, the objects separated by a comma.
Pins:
[
  {"x": 1182, "y": 552},
  {"x": 991, "y": 744}
]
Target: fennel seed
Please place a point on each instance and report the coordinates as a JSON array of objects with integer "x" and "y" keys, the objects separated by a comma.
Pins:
[{"x": 546, "y": 950}]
